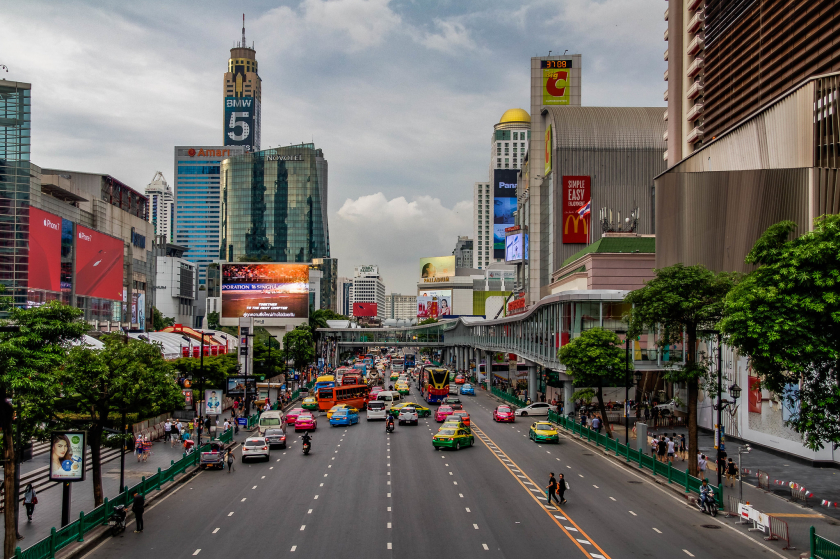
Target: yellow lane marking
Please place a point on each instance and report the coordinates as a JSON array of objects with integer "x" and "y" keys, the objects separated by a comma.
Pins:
[
  {"x": 576, "y": 541},
  {"x": 795, "y": 515}
]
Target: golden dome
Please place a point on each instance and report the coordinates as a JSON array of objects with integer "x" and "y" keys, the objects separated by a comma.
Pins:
[{"x": 515, "y": 115}]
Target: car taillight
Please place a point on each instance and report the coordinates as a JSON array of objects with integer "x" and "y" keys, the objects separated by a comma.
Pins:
[{"x": 265, "y": 448}]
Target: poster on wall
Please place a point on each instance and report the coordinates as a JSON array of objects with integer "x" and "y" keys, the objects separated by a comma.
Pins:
[
  {"x": 271, "y": 290},
  {"x": 504, "y": 207},
  {"x": 434, "y": 304},
  {"x": 754, "y": 395},
  {"x": 576, "y": 217},
  {"x": 99, "y": 264},
  {"x": 67, "y": 456},
  {"x": 556, "y": 79},
  {"x": 212, "y": 402},
  {"x": 44, "y": 250}
]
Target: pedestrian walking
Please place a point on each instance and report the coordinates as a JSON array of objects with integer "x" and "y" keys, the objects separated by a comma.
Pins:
[
  {"x": 137, "y": 507},
  {"x": 731, "y": 472},
  {"x": 671, "y": 450},
  {"x": 230, "y": 459},
  {"x": 30, "y": 499},
  {"x": 701, "y": 466},
  {"x": 662, "y": 448},
  {"x": 655, "y": 414},
  {"x": 653, "y": 446},
  {"x": 583, "y": 419},
  {"x": 552, "y": 488},
  {"x": 562, "y": 486},
  {"x": 683, "y": 448},
  {"x": 167, "y": 430},
  {"x": 647, "y": 413},
  {"x": 227, "y": 425},
  {"x": 596, "y": 424},
  {"x": 138, "y": 447}
]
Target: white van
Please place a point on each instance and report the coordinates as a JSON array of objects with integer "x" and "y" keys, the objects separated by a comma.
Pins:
[
  {"x": 271, "y": 419},
  {"x": 376, "y": 410},
  {"x": 390, "y": 397}
]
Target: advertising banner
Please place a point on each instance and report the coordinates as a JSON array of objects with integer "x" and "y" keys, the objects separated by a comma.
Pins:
[
  {"x": 67, "y": 456},
  {"x": 576, "y": 221},
  {"x": 548, "y": 150},
  {"x": 754, "y": 395},
  {"x": 236, "y": 385},
  {"x": 271, "y": 290},
  {"x": 240, "y": 122},
  {"x": 556, "y": 78},
  {"x": 99, "y": 264},
  {"x": 44, "y": 250},
  {"x": 515, "y": 247},
  {"x": 437, "y": 267},
  {"x": 364, "y": 309},
  {"x": 504, "y": 207},
  {"x": 434, "y": 304},
  {"x": 212, "y": 402}
]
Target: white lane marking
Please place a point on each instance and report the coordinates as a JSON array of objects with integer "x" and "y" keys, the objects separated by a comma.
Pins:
[
  {"x": 325, "y": 475},
  {"x": 596, "y": 556},
  {"x": 309, "y": 511},
  {"x": 557, "y": 516},
  {"x": 657, "y": 531},
  {"x": 197, "y": 551},
  {"x": 389, "y": 482},
  {"x": 484, "y": 545},
  {"x": 450, "y": 473},
  {"x": 294, "y": 547},
  {"x": 389, "y": 495},
  {"x": 330, "y": 466},
  {"x": 633, "y": 513},
  {"x": 455, "y": 482},
  {"x": 302, "y": 528},
  {"x": 468, "y": 509},
  {"x": 461, "y": 495},
  {"x": 612, "y": 498},
  {"x": 475, "y": 526},
  {"x": 216, "y": 530},
  {"x": 687, "y": 552},
  {"x": 533, "y": 489},
  {"x": 569, "y": 467},
  {"x": 587, "y": 542},
  {"x": 571, "y": 529},
  {"x": 446, "y": 465},
  {"x": 254, "y": 487},
  {"x": 230, "y": 513},
  {"x": 389, "y": 473},
  {"x": 389, "y": 525},
  {"x": 581, "y": 475},
  {"x": 322, "y": 485},
  {"x": 541, "y": 498},
  {"x": 595, "y": 486},
  {"x": 389, "y": 545},
  {"x": 389, "y": 509},
  {"x": 316, "y": 496},
  {"x": 243, "y": 499},
  {"x": 333, "y": 458},
  {"x": 262, "y": 477}
]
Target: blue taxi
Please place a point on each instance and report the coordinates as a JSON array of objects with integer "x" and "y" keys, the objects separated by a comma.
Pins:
[
  {"x": 344, "y": 416},
  {"x": 468, "y": 389}
]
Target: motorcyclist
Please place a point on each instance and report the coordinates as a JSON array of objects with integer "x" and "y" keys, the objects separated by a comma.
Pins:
[
  {"x": 389, "y": 424},
  {"x": 705, "y": 494},
  {"x": 390, "y": 387},
  {"x": 307, "y": 440}
]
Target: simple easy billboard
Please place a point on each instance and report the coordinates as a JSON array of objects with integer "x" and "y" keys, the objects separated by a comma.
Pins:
[
  {"x": 437, "y": 267},
  {"x": 504, "y": 207},
  {"x": 365, "y": 309},
  {"x": 576, "y": 220},
  {"x": 44, "y": 250},
  {"x": 99, "y": 264},
  {"x": 434, "y": 303},
  {"x": 240, "y": 122},
  {"x": 265, "y": 290}
]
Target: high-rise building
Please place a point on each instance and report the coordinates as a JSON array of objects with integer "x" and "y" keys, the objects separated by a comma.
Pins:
[
  {"x": 197, "y": 202},
  {"x": 509, "y": 142},
  {"x": 401, "y": 306},
  {"x": 463, "y": 252},
  {"x": 274, "y": 205},
  {"x": 718, "y": 72},
  {"x": 343, "y": 288},
  {"x": 482, "y": 225},
  {"x": 368, "y": 287},
  {"x": 161, "y": 206},
  {"x": 243, "y": 97}
]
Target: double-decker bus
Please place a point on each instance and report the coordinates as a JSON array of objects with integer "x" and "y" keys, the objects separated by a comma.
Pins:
[
  {"x": 354, "y": 395},
  {"x": 398, "y": 364},
  {"x": 435, "y": 384}
]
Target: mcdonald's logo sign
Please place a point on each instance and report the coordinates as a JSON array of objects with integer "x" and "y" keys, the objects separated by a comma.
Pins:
[
  {"x": 575, "y": 222},
  {"x": 575, "y": 192}
]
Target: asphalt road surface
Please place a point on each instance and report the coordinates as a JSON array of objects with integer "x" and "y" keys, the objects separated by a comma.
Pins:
[{"x": 362, "y": 493}]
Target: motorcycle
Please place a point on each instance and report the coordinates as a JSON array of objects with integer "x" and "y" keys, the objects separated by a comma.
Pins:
[
  {"x": 389, "y": 427},
  {"x": 711, "y": 505},
  {"x": 307, "y": 445},
  {"x": 117, "y": 520}
]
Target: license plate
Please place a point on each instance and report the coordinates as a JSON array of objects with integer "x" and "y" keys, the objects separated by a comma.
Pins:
[{"x": 112, "y": 523}]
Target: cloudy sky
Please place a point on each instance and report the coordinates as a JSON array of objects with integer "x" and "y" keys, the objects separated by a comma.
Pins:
[{"x": 402, "y": 95}]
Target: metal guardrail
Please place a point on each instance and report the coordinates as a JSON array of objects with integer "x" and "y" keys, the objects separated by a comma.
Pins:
[
  {"x": 509, "y": 398},
  {"x": 779, "y": 531},
  {"x": 732, "y": 509},
  {"x": 75, "y": 531},
  {"x": 822, "y": 548},
  {"x": 800, "y": 495}
]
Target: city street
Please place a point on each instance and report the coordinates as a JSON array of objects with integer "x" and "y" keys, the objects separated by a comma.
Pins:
[{"x": 361, "y": 491}]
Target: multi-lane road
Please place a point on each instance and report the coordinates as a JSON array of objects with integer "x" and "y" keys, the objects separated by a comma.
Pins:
[{"x": 362, "y": 493}]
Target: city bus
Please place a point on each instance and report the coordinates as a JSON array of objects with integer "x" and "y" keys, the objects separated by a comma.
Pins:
[
  {"x": 354, "y": 395},
  {"x": 398, "y": 364},
  {"x": 326, "y": 381},
  {"x": 410, "y": 361},
  {"x": 368, "y": 360},
  {"x": 435, "y": 384}
]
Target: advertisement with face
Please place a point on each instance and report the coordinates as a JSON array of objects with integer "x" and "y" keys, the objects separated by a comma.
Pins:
[
  {"x": 437, "y": 267},
  {"x": 434, "y": 303},
  {"x": 271, "y": 290},
  {"x": 44, "y": 250},
  {"x": 67, "y": 456},
  {"x": 504, "y": 207},
  {"x": 99, "y": 264},
  {"x": 212, "y": 402}
]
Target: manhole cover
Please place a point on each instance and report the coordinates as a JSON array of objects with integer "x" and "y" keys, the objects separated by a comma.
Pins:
[
  {"x": 634, "y": 481},
  {"x": 711, "y": 526}
]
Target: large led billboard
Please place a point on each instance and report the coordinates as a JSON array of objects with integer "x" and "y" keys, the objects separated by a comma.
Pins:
[
  {"x": 267, "y": 290},
  {"x": 516, "y": 247},
  {"x": 557, "y": 82},
  {"x": 99, "y": 264},
  {"x": 44, "y": 250},
  {"x": 365, "y": 309},
  {"x": 576, "y": 215},
  {"x": 434, "y": 303},
  {"x": 504, "y": 207},
  {"x": 241, "y": 122},
  {"x": 437, "y": 267}
]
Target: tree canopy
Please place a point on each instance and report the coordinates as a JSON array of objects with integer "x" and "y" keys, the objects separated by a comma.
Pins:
[
  {"x": 299, "y": 346},
  {"x": 785, "y": 316}
]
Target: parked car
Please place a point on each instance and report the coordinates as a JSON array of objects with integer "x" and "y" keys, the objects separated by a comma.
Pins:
[
  {"x": 255, "y": 447},
  {"x": 538, "y": 408},
  {"x": 667, "y": 408}
]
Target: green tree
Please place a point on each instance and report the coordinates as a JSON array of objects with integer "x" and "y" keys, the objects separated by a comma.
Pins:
[
  {"x": 681, "y": 299},
  {"x": 299, "y": 346},
  {"x": 213, "y": 320},
  {"x": 785, "y": 315},
  {"x": 217, "y": 369},
  {"x": 34, "y": 343},
  {"x": 126, "y": 376},
  {"x": 429, "y": 320},
  {"x": 159, "y": 322},
  {"x": 595, "y": 359}
]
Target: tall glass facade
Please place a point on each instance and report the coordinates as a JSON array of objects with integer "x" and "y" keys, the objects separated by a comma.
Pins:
[
  {"x": 197, "y": 202},
  {"x": 274, "y": 206}
]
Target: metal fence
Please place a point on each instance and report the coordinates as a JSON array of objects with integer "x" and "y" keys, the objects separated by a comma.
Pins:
[
  {"x": 509, "y": 398},
  {"x": 779, "y": 531},
  {"x": 800, "y": 494},
  {"x": 822, "y": 548}
]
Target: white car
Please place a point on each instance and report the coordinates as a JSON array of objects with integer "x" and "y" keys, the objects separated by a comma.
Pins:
[
  {"x": 539, "y": 408},
  {"x": 668, "y": 408},
  {"x": 453, "y": 389},
  {"x": 408, "y": 415},
  {"x": 376, "y": 410},
  {"x": 255, "y": 447}
]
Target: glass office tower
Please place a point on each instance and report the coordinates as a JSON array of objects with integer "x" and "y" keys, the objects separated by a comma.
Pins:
[{"x": 274, "y": 206}]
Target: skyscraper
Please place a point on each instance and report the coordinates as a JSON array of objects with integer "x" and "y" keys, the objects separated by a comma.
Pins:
[
  {"x": 243, "y": 95},
  {"x": 161, "y": 205}
]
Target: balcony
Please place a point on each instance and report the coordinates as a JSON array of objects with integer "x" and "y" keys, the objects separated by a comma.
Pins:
[
  {"x": 695, "y": 90},
  {"x": 695, "y": 67},
  {"x": 665, "y": 115},
  {"x": 692, "y": 4},
  {"x": 666, "y": 35},
  {"x": 695, "y": 111},
  {"x": 665, "y": 136},
  {"x": 665, "y": 75},
  {"x": 695, "y": 135},
  {"x": 665, "y": 95},
  {"x": 696, "y": 44},
  {"x": 665, "y": 156},
  {"x": 666, "y": 14},
  {"x": 665, "y": 56},
  {"x": 695, "y": 22}
]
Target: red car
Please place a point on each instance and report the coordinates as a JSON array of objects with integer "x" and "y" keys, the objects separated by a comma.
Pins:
[
  {"x": 306, "y": 422},
  {"x": 442, "y": 413},
  {"x": 503, "y": 413},
  {"x": 460, "y": 379},
  {"x": 373, "y": 392},
  {"x": 462, "y": 415},
  {"x": 293, "y": 414}
]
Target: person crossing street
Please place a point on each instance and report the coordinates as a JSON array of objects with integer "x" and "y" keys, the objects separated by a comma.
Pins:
[{"x": 552, "y": 488}]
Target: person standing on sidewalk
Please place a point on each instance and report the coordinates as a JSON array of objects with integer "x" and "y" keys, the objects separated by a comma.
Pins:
[
  {"x": 701, "y": 466},
  {"x": 671, "y": 450},
  {"x": 137, "y": 507},
  {"x": 731, "y": 472},
  {"x": 30, "y": 499},
  {"x": 167, "y": 430},
  {"x": 596, "y": 424},
  {"x": 230, "y": 459},
  {"x": 683, "y": 448}
]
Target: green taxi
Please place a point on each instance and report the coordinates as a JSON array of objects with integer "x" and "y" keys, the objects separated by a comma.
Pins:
[
  {"x": 543, "y": 432},
  {"x": 310, "y": 403},
  {"x": 422, "y": 411},
  {"x": 452, "y": 438}
]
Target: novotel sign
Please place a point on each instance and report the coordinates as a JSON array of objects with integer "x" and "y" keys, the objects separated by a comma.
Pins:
[{"x": 270, "y": 157}]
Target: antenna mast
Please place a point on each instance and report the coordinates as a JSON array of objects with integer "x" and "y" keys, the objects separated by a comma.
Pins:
[{"x": 243, "y": 31}]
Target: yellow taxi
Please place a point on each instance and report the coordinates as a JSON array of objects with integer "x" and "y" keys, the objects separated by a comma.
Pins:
[
  {"x": 543, "y": 432},
  {"x": 394, "y": 375},
  {"x": 333, "y": 409},
  {"x": 310, "y": 403},
  {"x": 422, "y": 411},
  {"x": 402, "y": 388},
  {"x": 455, "y": 423}
]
